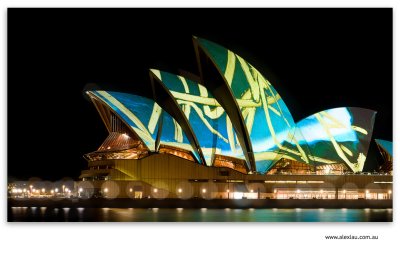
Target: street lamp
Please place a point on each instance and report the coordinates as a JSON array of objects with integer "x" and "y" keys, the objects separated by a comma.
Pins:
[
  {"x": 390, "y": 193},
  {"x": 227, "y": 191},
  {"x": 366, "y": 194},
  {"x": 204, "y": 191},
  {"x": 344, "y": 191}
]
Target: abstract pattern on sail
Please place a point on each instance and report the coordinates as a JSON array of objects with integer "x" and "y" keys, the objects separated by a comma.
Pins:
[
  {"x": 205, "y": 115},
  {"x": 267, "y": 118},
  {"x": 339, "y": 135},
  {"x": 144, "y": 116}
]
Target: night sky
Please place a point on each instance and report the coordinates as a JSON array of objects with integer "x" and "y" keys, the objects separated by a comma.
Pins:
[{"x": 316, "y": 59}]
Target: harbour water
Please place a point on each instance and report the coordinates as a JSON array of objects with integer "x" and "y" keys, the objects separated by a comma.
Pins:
[{"x": 50, "y": 214}]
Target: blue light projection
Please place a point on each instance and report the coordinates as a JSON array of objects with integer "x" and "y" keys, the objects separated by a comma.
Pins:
[
  {"x": 267, "y": 118},
  {"x": 386, "y": 145},
  {"x": 205, "y": 115},
  {"x": 339, "y": 135},
  {"x": 143, "y": 116}
]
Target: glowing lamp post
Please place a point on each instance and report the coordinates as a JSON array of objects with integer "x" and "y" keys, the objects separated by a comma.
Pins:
[
  {"x": 203, "y": 191},
  {"x": 155, "y": 191}
]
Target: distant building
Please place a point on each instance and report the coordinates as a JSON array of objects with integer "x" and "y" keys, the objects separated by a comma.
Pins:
[{"x": 227, "y": 134}]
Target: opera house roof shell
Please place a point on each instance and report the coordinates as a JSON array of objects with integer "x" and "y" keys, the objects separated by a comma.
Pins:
[{"x": 233, "y": 113}]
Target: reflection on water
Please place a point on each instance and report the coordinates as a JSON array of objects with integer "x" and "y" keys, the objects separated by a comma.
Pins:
[{"x": 25, "y": 214}]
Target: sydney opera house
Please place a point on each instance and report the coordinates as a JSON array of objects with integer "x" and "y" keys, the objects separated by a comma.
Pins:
[{"x": 227, "y": 133}]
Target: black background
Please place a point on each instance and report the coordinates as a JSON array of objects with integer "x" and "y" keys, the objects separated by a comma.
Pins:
[{"x": 316, "y": 59}]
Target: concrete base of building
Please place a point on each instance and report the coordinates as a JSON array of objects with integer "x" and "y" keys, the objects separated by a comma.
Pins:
[{"x": 202, "y": 203}]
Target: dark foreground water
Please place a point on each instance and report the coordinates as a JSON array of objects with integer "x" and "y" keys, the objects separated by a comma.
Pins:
[{"x": 46, "y": 214}]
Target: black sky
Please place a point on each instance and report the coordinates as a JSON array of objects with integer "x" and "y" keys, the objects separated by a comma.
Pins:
[{"x": 316, "y": 59}]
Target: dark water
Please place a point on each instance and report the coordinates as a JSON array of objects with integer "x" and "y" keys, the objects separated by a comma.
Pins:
[{"x": 43, "y": 214}]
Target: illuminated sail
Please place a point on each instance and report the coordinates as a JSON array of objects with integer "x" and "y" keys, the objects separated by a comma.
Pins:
[
  {"x": 144, "y": 116},
  {"x": 339, "y": 135},
  {"x": 266, "y": 117},
  {"x": 239, "y": 116},
  {"x": 387, "y": 146},
  {"x": 205, "y": 115}
]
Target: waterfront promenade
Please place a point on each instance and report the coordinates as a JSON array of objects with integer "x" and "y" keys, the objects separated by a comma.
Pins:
[{"x": 201, "y": 203}]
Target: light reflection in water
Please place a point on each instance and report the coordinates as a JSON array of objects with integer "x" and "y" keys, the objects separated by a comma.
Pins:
[{"x": 203, "y": 214}]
